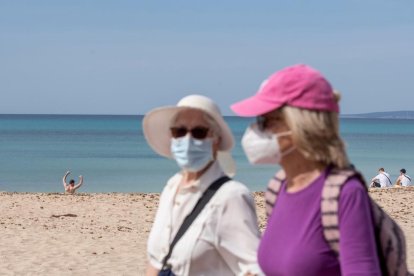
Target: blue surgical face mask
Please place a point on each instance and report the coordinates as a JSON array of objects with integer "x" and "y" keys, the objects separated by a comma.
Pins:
[{"x": 192, "y": 154}]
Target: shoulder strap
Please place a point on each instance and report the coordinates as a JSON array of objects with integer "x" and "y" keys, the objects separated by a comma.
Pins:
[
  {"x": 387, "y": 177},
  {"x": 272, "y": 191},
  {"x": 330, "y": 204},
  {"x": 407, "y": 177},
  {"x": 201, "y": 203}
]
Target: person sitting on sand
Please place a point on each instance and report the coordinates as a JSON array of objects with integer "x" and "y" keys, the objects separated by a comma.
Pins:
[
  {"x": 381, "y": 180},
  {"x": 403, "y": 180},
  {"x": 71, "y": 187}
]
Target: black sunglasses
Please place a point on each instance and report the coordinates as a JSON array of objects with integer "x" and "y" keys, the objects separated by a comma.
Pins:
[
  {"x": 264, "y": 123},
  {"x": 198, "y": 132},
  {"x": 261, "y": 122}
]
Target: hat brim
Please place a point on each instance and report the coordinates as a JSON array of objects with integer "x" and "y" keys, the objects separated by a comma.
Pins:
[
  {"x": 156, "y": 125},
  {"x": 254, "y": 106},
  {"x": 227, "y": 163}
]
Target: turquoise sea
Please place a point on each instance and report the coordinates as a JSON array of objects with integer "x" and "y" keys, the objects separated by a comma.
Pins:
[{"x": 112, "y": 155}]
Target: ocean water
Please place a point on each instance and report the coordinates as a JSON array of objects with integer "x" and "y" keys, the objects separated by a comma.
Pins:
[{"x": 113, "y": 156}]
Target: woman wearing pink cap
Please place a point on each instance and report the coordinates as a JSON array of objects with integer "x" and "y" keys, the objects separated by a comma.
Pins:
[{"x": 297, "y": 128}]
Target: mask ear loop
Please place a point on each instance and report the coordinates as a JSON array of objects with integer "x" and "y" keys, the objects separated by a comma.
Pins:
[
  {"x": 283, "y": 134},
  {"x": 289, "y": 151}
]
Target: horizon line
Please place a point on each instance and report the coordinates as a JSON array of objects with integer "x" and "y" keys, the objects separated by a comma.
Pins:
[{"x": 97, "y": 114}]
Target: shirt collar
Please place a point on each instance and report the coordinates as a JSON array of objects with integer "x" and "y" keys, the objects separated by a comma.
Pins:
[{"x": 206, "y": 179}]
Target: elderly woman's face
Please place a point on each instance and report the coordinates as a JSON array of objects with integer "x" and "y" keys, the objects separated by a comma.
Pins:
[{"x": 193, "y": 121}]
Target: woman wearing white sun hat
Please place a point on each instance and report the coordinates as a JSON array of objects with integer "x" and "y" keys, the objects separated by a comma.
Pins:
[{"x": 220, "y": 236}]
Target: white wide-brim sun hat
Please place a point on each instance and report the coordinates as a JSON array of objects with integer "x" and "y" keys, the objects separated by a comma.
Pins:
[{"x": 156, "y": 126}]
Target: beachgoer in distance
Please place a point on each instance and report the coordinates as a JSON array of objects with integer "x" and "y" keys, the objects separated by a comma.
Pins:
[
  {"x": 382, "y": 179},
  {"x": 403, "y": 180},
  {"x": 224, "y": 237},
  {"x": 71, "y": 187},
  {"x": 297, "y": 128}
]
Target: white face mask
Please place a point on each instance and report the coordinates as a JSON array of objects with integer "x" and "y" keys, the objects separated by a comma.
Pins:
[{"x": 262, "y": 147}]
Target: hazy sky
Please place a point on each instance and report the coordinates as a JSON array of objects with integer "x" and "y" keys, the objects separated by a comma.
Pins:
[{"x": 127, "y": 57}]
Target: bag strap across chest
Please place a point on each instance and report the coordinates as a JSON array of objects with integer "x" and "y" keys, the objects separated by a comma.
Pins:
[{"x": 189, "y": 219}]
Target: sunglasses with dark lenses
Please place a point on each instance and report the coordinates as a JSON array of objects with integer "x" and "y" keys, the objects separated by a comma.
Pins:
[
  {"x": 261, "y": 122},
  {"x": 264, "y": 123},
  {"x": 197, "y": 132}
]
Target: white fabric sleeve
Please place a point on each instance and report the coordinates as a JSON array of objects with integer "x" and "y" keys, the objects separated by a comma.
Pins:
[
  {"x": 154, "y": 253},
  {"x": 237, "y": 233},
  {"x": 153, "y": 261}
]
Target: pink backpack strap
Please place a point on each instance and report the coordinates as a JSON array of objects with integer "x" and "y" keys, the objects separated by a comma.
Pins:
[
  {"x": 391, "y": 242},
  {"x": 330, "y": 205},
  {"x": 390, "y": 238},
  {"x": 272, "y": 191}
]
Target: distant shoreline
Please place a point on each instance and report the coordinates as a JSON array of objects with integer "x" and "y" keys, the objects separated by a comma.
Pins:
[{"x": 409, "y": 115}]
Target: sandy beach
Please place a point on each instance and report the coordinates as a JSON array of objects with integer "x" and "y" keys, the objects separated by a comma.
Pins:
[{"x": 105, "y": 234}]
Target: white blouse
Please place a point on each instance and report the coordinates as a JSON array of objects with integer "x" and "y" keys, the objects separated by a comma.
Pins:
[{"x": 224, "y": 238}]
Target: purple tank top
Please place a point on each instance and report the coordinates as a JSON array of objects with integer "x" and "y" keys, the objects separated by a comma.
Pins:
[{"x": 293, "y": 243}]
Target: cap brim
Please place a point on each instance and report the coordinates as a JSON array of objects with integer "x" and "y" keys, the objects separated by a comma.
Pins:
[{"x": 254, "y": 106}]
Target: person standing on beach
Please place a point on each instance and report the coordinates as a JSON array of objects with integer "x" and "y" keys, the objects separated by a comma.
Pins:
[
  {"x": 382, "y": 179},
  {"x": 71, "y": 187},
  {"x": 403, "y": 180},
  {"x": 223, "y": 238},
  {"x": 297, "y": 127}
]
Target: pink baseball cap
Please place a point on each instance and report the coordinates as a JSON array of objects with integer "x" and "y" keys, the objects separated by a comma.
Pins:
[{"x": 298, "y": 85}]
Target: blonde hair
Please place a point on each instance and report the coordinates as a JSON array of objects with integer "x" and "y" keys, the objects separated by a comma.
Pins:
[{"x": 316, "y": 134}]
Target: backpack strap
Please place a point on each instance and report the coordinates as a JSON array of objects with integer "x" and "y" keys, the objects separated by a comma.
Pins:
[
  {"x": 330, "y": 204},
  {"x": 389, "y": 237},
  {"x": 272, "y": 191}
]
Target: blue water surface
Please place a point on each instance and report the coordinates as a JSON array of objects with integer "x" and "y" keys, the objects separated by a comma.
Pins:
[{"x": 113, "y": 156}]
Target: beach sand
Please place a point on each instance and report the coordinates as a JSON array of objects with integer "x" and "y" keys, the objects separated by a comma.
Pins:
[{"x": 105, "y": 234}]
